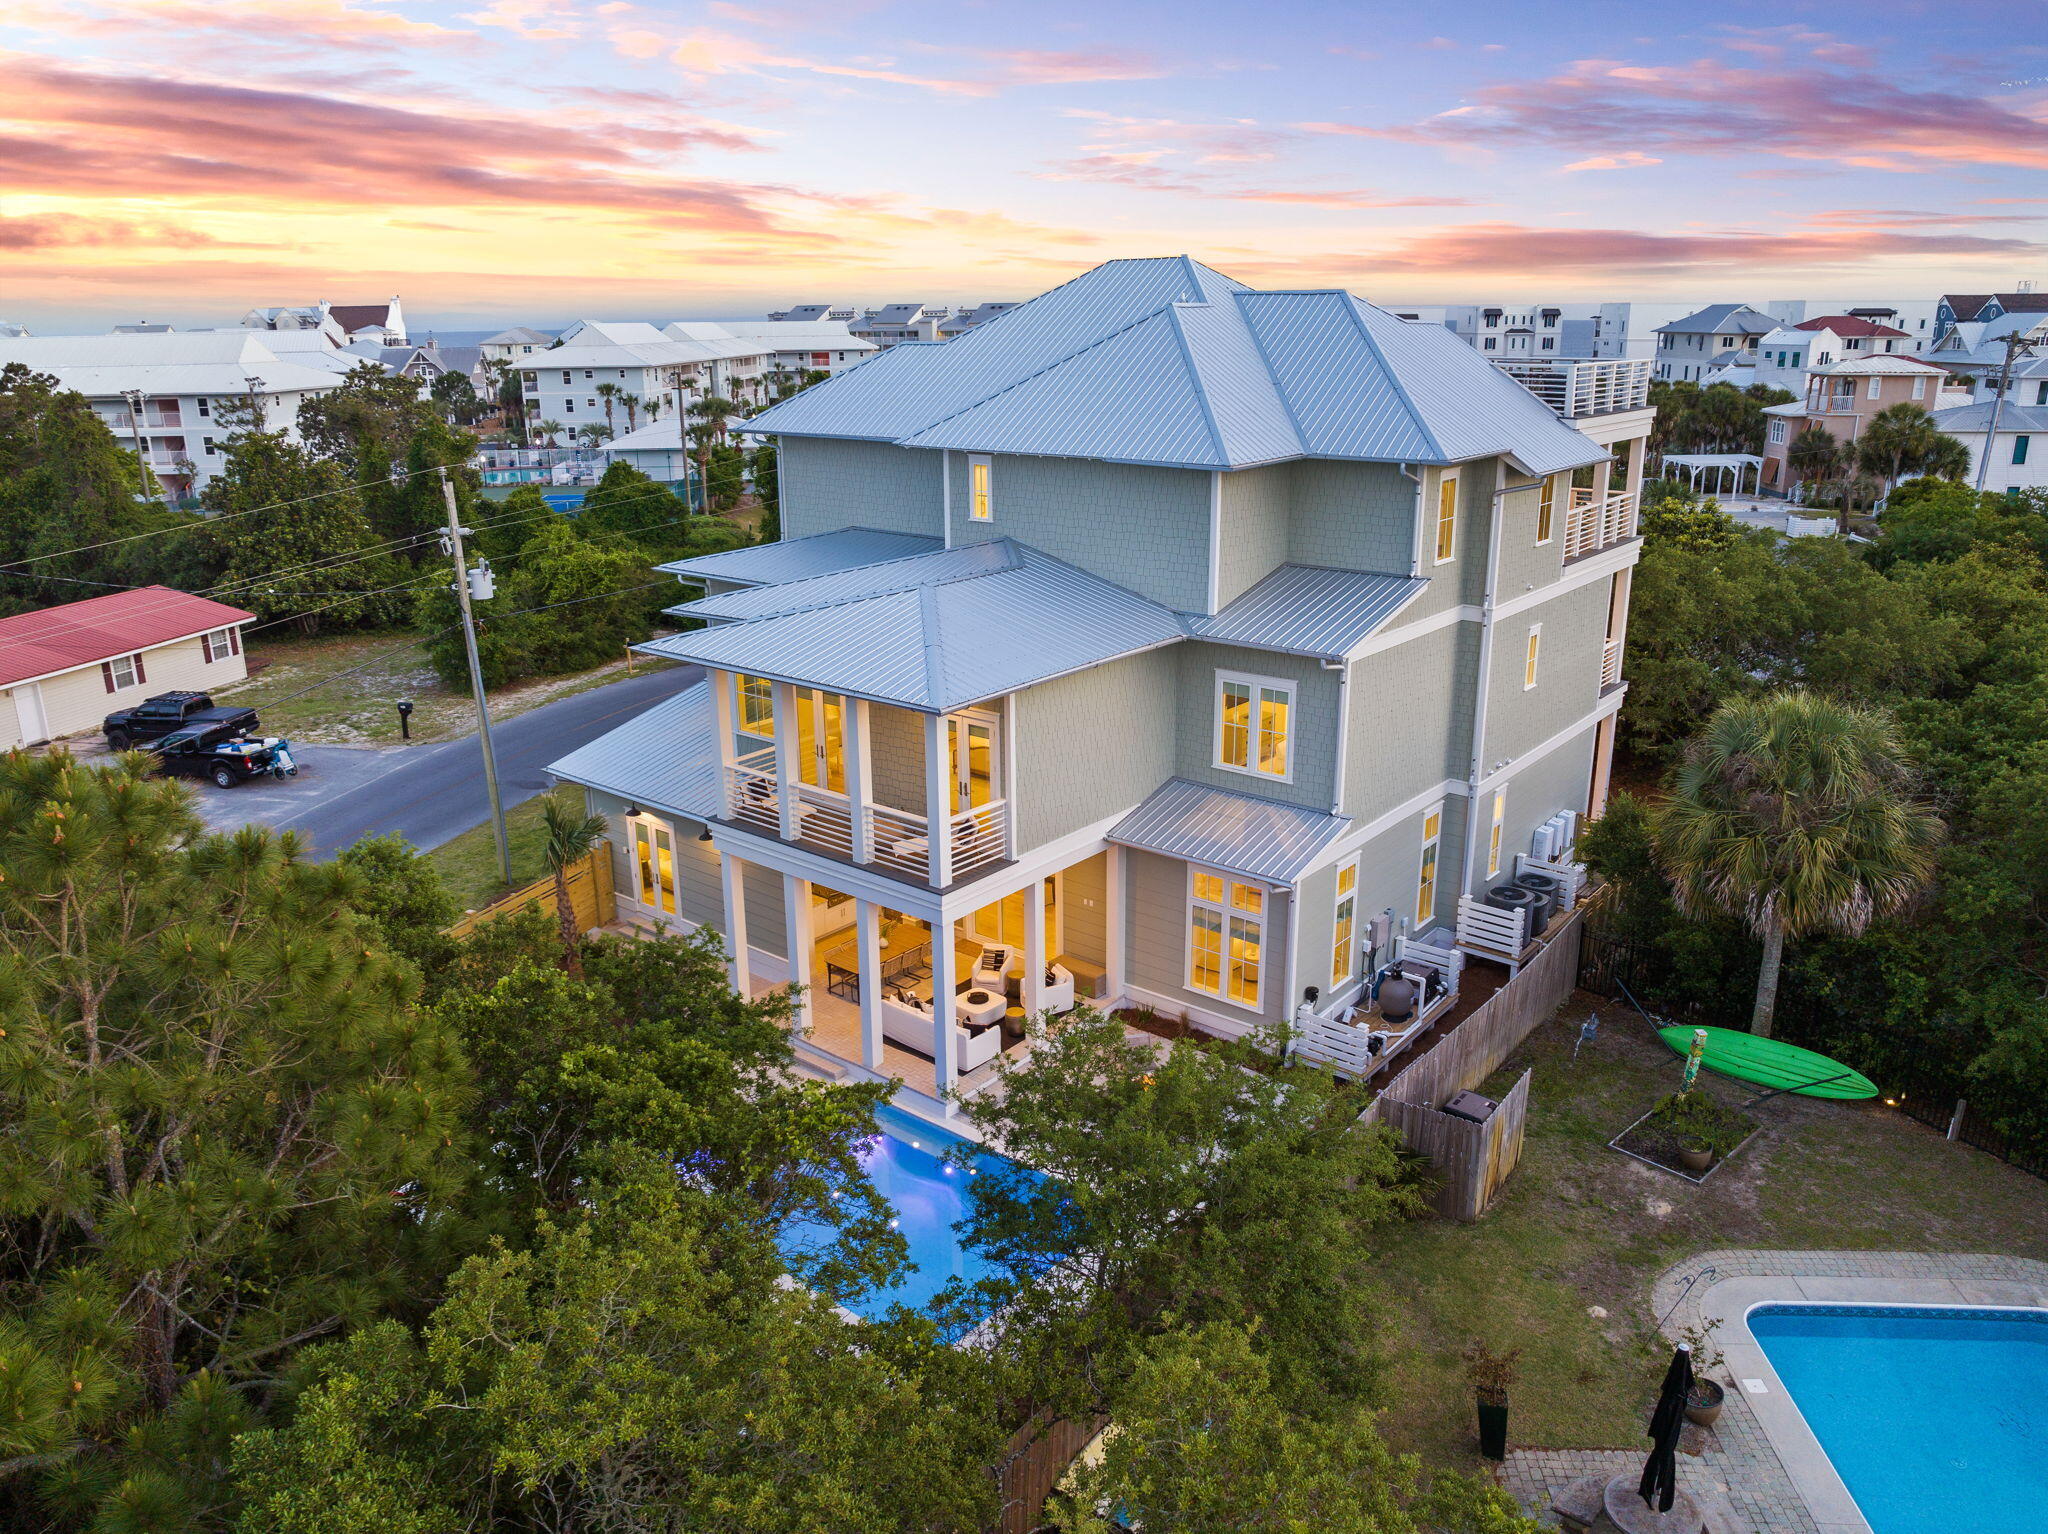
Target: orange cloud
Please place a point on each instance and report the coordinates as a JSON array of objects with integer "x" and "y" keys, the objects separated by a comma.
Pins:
[
  {"x": 1136, "y": 170},
  {"x": 294, "y": 23}
]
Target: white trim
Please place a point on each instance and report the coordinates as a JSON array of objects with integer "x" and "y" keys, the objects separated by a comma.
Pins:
[
  {"x": 1579, "y": 573},
  {"x": 1436, "y": 521},
  {"x": 1113, "y": 937},
  {"x": 1417, "y": 920},
  {"x": 1532, "y": 657},
  {"x": 982, "y": 462},
  {"x": 946, "y": 495},
  {"x": 1215, "y": 1022},
  {"x": 848, "y": 878},
  {"x": 1340, "y": 894},
  {"x": 1343, "y": 737},
  {"x": 1548, "y": 486},
  {"x": 1609, "y": 705},
  {"x": 1388, "y": 639},
  {"x": 1350, "y": 843},
  {"x": 1228, "y": 912},
  {"x": 1494, "y": 824},
  {"x": 1257, "y": 684}
]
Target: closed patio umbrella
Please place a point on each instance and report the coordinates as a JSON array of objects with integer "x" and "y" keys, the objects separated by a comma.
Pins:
[{"x": 1660, "y": 1473}]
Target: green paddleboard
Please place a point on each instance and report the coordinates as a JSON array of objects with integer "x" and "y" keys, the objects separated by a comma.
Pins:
[{"x": 1772, "y": 1063}]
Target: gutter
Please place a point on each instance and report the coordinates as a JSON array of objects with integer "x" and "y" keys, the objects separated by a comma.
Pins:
[{"x": 1494, "y": 530}]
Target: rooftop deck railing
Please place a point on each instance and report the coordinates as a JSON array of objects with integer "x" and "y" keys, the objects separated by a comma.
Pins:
[
  {"x": 1592, "y": 523},
  {"x": 1579, "y": 387}
]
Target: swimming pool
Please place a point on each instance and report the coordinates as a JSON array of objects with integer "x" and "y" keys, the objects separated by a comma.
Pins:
[
  {"x": 1934, "y": 1418},
  {"x": 907, "y": 1166}
]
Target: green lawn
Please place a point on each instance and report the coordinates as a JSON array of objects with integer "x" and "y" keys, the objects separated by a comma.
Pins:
[
  {"x": 469, "y": 863},
  {"x": 343, "y": 689},
  {"x": 1580, "y": 1226}
]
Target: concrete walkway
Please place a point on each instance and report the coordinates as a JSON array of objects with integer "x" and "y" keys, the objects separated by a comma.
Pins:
[{"x": 1759, "y": 1470}]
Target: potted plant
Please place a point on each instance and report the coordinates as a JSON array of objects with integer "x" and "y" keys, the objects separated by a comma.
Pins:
[
  {"x": 1492, "y": 1375},
  {"x": 1704, "y": 1401}
]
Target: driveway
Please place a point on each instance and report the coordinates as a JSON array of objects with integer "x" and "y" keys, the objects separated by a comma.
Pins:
[{"x": 430, "y": 794}]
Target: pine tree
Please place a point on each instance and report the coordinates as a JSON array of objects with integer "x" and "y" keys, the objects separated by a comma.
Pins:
[{"x": 224, "y": 1132}]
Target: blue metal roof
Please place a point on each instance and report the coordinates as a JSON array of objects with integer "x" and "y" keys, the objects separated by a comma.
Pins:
[
  {"x": 942, "y": 635},
  {"x": 666, "y": 758},
  {"x": 1308, "y": 610},
  {"x": 1238, "y": 833},
  {"x": 1165, "y": 362},
  {"x": 850, "y": 585},
  {"x": 796, "y": 559}
]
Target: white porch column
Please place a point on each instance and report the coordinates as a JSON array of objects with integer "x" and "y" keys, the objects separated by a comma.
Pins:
[
  {"x": 796, "y": 926},
  {"x": 1292, "y": 968},
  {"x": 1113, "y": 922},
  {"x": 868, "y": 927},
  {"x": 860, "y": 774},
  {"x": 785, "y": 758},
  {"x": 943, "y": 988},
  {"x": 732, "y": 874},
  {"x": 938, "y": 799},
  {"x": 1035, "y": 955},
  {"x": 721, "y": 685}
]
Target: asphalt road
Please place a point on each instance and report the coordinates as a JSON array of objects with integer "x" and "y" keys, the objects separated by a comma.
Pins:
[{"x": 430, "y": 793}]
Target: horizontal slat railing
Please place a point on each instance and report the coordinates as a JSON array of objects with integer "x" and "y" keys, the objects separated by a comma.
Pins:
[
  {"x": 1490, "y": 929},
  {"x": 899, "y": 841},
  {"x": 980, "y": 836}
]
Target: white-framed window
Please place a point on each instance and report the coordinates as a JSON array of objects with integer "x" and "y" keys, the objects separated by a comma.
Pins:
[
  {"x": 1919, "y": 388},
  {"x": 205, "y": 408},
  {"x": 1530, "y": 651},
  {"x": 980, "y": 498},
  {"x": 1254, "y": 719},
  {"x": 1226, "y": 936},
  {"x": 1500, "y": 810},
  {"x": 220, "y": 644},
  {"x": 1876, "y": 386},
  {"x": 754, "y": 705},
  {"x": 124, "y": 671},
  {"x": 1426, "y": 869},
  {"x": 1777, "y": 431},
  {"x": 1546, "y": 510},
  {"x": 1446, "y": 517},
  {"x": 567, "y": 376},
  {"x": 654, "y": 861},
  {"x": 1344, "y": 926}
]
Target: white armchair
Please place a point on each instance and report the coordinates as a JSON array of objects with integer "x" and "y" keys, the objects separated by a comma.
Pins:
[{"x": 1056, "y": 992}]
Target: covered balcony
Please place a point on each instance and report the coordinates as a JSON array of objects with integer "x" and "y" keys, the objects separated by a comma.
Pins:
[
  {"x": 1577, "y": 388},
  {"x": 1594, "y": 521},
  {"x": 917, "y": 796}
]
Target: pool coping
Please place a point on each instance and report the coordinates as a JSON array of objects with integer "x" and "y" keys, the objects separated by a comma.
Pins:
[{"x": 1959, "y": 1281}]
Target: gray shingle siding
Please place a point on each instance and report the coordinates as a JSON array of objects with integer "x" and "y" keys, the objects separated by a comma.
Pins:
[
  {"x": 766, "y": 924},
  {"x": 1410, "y": 726},
  {"x": 826, "y": 485},
  {"x": 1559, "y": 781},
  {"x": 897, "y": 757},
  {"x": 1461, "y": 580},
  {"x": 1093, "y": 744},
  {"x": 1145, "y": 529},
  {"x": 1085, "y": 921},
  {"x": 1254, "y": 530},
  {"x": 1313, "y": 749},
  {"x": 700, "y": 900},
  {"x": 1155, "y": 921},
  {"x": 1567, "y": 671},
  {"x": 1314, "y": 930},
  {"x": 1350, "y": 516},
  {"x": 1524, "y": 564}
]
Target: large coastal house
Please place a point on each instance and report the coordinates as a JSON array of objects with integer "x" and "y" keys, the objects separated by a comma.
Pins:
[{"x": 1161, "y": 641}]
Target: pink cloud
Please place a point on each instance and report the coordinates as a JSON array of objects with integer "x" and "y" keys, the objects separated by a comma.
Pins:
[
  {"x": 704, "y": 52},
  {"x": 1137, "y": 170},
  {"x": 1628, "y": 159},
  {"x": 296, "y": 24},
  {"x": 536, "y": 20},
  {"x": 1711, "y": 108},
  {"x": 63, "y": 231}
]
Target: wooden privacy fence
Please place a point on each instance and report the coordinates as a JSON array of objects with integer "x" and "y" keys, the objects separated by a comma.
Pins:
[
  {"x": 1038, "y": 1457},
  {"x": 1471, "y": 1160},
  {"x": 590, "y": 892}
]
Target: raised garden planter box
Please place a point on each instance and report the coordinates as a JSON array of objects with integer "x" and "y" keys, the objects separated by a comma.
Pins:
[{"x": 1660, "y": 1149}]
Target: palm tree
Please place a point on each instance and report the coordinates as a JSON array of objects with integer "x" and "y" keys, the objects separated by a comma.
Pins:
[
  {"x": 550, "y": 430},
  {"x": 1948, "y": 459},
  {"x": 1794, "y": 814},
  {"x": 567, "y": 838},
  {"x": 654, "y": 404},
  {"x": 1895, "y": 442},
  {"x": 701, "y": 436},
  {"x": 594, "y": 433},
  {"x": 609, "y": 393},
  {"x": 632, "y": 402}
]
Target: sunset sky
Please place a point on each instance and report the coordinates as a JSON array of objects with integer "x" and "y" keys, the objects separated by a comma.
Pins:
[{"x": 502, "y": 160}]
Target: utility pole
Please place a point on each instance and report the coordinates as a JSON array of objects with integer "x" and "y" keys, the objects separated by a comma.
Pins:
[
  {"x": 149, "y": 480},
  {"x": 476, "y": 682},
  {"x": 2015, "y": 344}
]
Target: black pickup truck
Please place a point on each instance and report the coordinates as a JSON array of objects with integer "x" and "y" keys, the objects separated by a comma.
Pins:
[
  {"x": 222, "y": 753},
  {"x": 153, "y": 718}
]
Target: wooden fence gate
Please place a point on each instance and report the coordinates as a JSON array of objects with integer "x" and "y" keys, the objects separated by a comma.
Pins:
[{"x": 590, "y": 892}]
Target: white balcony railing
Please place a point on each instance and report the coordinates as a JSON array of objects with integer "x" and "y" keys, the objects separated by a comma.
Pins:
[
  {"x": 899, "y": 841},
  {"x": 1575, "y": 388},
  {"x": 1592, "y": 523},
  {"x": 980, "y": 836},
  {"x": 1610, "y": 664}
]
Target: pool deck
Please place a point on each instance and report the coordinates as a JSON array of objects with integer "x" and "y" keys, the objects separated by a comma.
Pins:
[{"x": 1760, "y": 1469}]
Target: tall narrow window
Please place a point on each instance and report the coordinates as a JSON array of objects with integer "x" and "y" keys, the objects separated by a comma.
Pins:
[
  {"x": 2019, "y": 448},
  {"x": 756, "y": 711},
  {"x": 821, "y": 739},
  {"x": 979, "y": 505},
  {"x": 654, "y": 854},
  {"x": 1344, "y": 928},
  {"x": 1546, "y": 510},
  {"x": 1529, "y": 655},
  {"x": 1253, "y": 721},
  {"x": 1446, "y": 517},
  {"x": 1500, "y": 806},
  {"x": 1425, "y": 881},
  {"x": 1226, "y": 936}
]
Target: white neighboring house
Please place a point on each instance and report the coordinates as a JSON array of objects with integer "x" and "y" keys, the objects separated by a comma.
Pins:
[
  {"x": 809, "y": 312},
  {"x": 1513, "y": 330},
  {"x": 667, "y": 366},
  {"x": 1913, "y": 318},
  {"x": 1786, "y": 356},
  {"x": 1707, "y": 339},
  {"x": 378, "y": 324},
  {"x": 790, "y": 346},
  {"x": 2019, "y": 450},
  {"x": 513, "y": 345},
  {"x": 657, "y": 449},
  {"x": 159, "y": 392}
]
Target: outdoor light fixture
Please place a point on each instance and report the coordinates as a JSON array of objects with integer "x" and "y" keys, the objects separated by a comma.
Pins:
[
  {"x": 704, "y": 835},
  {"x": 632, "y": 812}
]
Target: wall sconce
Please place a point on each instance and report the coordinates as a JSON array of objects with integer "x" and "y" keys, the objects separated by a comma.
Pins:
[
  {"x": 704, "y": 835},
  {"x": 632, "y": 812}
]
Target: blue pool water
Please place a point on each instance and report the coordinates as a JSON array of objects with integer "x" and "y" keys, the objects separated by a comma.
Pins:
[
  {"x": 1935, "y": 1419},
  {"x": 905, "y": 1163}
]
